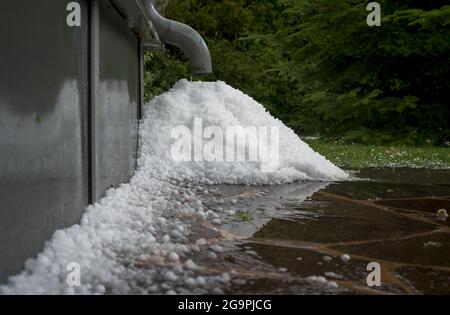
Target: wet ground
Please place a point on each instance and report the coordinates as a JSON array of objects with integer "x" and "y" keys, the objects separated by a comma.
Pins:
[{"x": 318, "y": 238}]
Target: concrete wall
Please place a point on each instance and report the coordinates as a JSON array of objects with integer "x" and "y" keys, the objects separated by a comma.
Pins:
[{"x": 69, "y": 104}]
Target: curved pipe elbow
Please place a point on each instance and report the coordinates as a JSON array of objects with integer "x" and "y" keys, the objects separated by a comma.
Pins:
[{"x": 184, "y": 37}]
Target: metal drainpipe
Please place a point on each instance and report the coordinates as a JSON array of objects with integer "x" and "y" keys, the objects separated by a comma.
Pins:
[{"x": 184, "y": 37}]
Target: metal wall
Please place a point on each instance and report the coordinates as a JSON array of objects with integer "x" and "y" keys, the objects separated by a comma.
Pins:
[
  {"x": 117, "y": 97},
  {"x": 69, "y": 104},
  {"x": 43, "y": 132}
]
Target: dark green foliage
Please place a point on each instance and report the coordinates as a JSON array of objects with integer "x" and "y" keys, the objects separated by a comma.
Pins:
[
  {"x": 372, "y": 85},
  {"x": 161, "y": 72},
  {"x": 238, "y": 59},
  {"x": 316, "y": 65}
]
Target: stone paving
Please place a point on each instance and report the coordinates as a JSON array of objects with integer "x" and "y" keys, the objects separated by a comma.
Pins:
[
  {"x": 286, "y": 243},
  {"x": 318, "y": 238}
]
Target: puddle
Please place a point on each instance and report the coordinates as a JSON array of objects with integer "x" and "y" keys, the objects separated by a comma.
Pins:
[
  {"x": 427, "y": 250},
  {"x": 314, "y": 238},
  {"x": 419, "y": 204},
  {"x": 408, "y": 176},
  {"x": 338, "y": 221},
  {"x": 290, "y": 239}
]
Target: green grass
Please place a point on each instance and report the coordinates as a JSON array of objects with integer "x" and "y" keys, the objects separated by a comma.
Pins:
[
  {"x": 244, "y": 216},
  {"x": 362, "y": 156}
]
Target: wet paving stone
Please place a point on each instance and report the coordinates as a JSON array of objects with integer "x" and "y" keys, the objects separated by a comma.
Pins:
[
  {"x": 428, "y": 250},
  {"x": 419, "y": 208},
  {"x": 373, "y": 183},
  {"x": 431, "y": 205},
  {"x": 307, "y": 238},
  {"x": 429, "y": 177},
  {"x": 287, "y": 286},
  {"x": 336, "y": 221},
  {"x": 306, "y": 263},
  {"x": 419, "y": 204},
  {"x": 291, "y": 239},
  {"x": 363, "y": 190},
  {"x": 426, "y": 280}
]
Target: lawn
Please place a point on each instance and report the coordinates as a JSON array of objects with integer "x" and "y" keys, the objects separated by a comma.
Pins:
[{"x": 363, "y": 156}]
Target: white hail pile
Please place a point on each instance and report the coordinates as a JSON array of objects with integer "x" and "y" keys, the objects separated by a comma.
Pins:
[{"x": 145, "y": 220}]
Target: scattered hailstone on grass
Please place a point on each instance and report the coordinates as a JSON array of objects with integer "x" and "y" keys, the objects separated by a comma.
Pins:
[
  {"x": 190, "y": 282},
  {"x": 217, "y": 248},
  {"x": 331, "y": 274},
  {"x": 317, "y": 279},
  {"x": 217, "y": 291},
  {"x": 230, "y": 212},
  {"x": 189, "y": 264},
  {"x": 442, "y": 214},
  {"x": 212, "y": 255},
  {"x": 225, "y": 278},
  {"x": 166, "y": 239},
  {"x": 153, "y": 288},
  {"x": 201, "y": 214},
  {"x": 322, "y": 281},
  {"x": 332, "y": 285},
  {"x": 200, "y": 242},
  {"x": 432, "y": 244},
  {"x": 173, "y": 257},
  {"x": 200, "y": 281},
  {"x": 100, "y": 289},
  {"x": 345, "y": 258},
  {"x": 170, "y": 276}
]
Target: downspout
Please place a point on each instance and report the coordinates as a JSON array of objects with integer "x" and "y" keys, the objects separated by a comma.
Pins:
[{"x": 184, "y": 37}]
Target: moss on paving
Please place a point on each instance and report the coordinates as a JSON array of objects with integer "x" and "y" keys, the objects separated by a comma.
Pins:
[{"x": 244, "y": 216}]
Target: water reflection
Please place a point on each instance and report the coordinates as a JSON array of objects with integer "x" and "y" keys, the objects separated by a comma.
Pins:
[
  {"x": 299, "y": 232},
  {"x": 265, "y": 204}
]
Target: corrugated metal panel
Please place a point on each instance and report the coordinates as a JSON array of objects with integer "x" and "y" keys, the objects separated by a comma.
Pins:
[
  {"x": 43, "y": 133},
  {"x": 70, "y": 100},
  {"x": 116, "y": 101}
]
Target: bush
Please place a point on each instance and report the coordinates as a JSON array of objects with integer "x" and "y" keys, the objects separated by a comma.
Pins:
[
  {"x": 161, "y": 72},
  {"x": 372, "y": 85}
]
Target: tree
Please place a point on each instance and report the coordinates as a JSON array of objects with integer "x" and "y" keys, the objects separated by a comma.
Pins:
[
  {"x": 319, "y": 67},
  {"x": 369, "y": 84}
]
